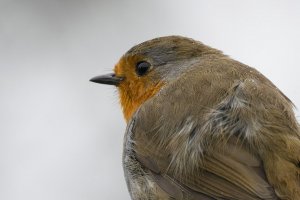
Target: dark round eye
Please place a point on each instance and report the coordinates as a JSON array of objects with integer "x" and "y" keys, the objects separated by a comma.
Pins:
[{"x": 142, "y": 68}]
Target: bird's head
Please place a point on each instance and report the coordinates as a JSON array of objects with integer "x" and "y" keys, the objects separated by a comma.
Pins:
[{"x": 147, "y": 67}]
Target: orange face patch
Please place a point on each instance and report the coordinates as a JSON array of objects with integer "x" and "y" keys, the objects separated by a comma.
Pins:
[{"x": 133, "y": 90}]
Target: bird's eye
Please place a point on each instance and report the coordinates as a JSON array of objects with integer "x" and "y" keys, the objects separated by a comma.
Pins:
[{"x": 142, "y": 68}]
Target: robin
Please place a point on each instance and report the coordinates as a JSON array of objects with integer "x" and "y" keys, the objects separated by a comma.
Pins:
[{"x": 201, "y": 125}]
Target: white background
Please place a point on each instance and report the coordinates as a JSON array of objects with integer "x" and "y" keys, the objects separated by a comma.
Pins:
[{"x": 60, "y": 135}]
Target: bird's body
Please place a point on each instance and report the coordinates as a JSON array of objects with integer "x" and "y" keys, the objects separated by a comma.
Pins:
[{"x": 204, "y": 126}]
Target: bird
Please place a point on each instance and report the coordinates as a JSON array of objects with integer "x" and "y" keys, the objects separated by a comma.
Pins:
[{"x": 201, "y": 125}]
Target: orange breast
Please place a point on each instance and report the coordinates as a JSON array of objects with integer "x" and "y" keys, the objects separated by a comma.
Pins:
[{"x": 133, "y": 96}]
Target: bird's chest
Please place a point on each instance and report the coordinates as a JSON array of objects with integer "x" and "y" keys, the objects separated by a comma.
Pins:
[{"x": 139, "y": 180}]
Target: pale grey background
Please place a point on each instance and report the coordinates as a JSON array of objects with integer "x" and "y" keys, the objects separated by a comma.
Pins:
[{"x": 60, "y": 135}]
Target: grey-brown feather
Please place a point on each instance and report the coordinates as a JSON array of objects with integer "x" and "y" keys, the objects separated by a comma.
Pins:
[{"x": 218, "y": 127}]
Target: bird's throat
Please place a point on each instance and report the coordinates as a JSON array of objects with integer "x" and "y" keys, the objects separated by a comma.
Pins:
[{"x": 133, "y": 95}]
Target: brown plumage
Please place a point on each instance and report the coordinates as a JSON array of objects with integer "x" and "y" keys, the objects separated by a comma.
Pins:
[{"x": 203, "y": 126}]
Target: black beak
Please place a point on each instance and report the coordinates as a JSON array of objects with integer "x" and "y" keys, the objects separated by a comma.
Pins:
[{"x": 109, "y": 79}]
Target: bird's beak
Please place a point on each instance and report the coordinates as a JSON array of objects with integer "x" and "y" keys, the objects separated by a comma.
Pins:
[{"x": 109, "y": 79}]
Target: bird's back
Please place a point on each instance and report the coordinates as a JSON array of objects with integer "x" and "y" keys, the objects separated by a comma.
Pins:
[{"x": 221, "y": 130}]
